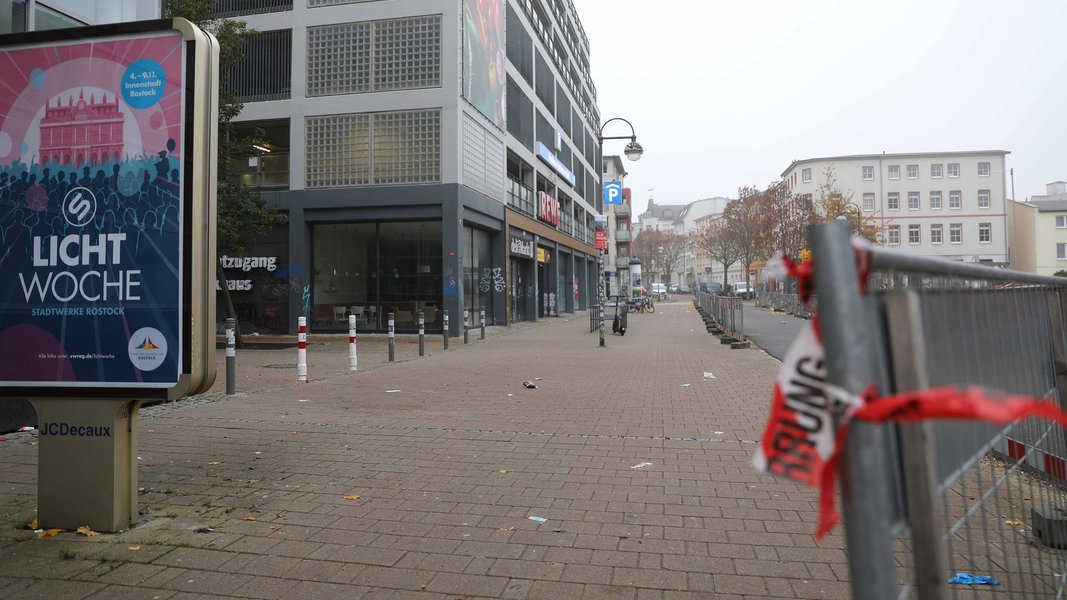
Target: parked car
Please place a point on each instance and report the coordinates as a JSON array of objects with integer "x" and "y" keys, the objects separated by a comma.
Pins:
[
  {"x": 673, "y": 288},
  {"x": 659, "y": 291},
  {"x": 741, "y": 289},
  {"x": 683, "y": 289},
  {"x": 712, "y": 287}
]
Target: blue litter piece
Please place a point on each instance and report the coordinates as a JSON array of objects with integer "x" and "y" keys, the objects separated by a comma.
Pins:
[
  {"x": 538, "y": 519},
  {"x": 969, "y": 579}
]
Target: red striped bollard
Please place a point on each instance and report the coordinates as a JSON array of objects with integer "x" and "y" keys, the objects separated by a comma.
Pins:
[
  {"x": 302, "y": 350},
  {"x": 352, "y": 362}
]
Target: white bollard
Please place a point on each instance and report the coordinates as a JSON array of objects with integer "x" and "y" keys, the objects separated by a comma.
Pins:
[
  {"x": 302, "y": 350},
  {"x": 352, "y": 343}
]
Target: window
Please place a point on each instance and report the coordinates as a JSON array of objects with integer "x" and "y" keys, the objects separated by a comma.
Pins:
[
  {"x": 935, "y": 233},
  {"x": 868, "y": 201},
  {"x": 868, "y": 173},
  {"x": 893, "y": 199},
  {"x": 267, "y": 74},
  {"x": 805, "y": 174},
  {"x": 913, "y": 200},
  {"x": 913, "y": 171},
  {"x": 894, "y": 235},
  {"x": 955, "y": 199},
  {"x": 894, "y": 172},
  {"x": 985, "y": 233},
  {"x": 953, "y": 169},
  {"x": 983, "y": 198},
  {"x": 1061, "y": 251},
  {"x": 983, "y": 169},
  {"x": 1061, "y": 221},
  {"x": 913, "y": 234},
  {"x": 936, "y": 171},
  {"x": 935, "y": 200},
  {"x": 955, "y": 233}
]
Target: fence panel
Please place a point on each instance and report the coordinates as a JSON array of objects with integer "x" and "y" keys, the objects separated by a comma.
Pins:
[{"x": 965, "y": 496}]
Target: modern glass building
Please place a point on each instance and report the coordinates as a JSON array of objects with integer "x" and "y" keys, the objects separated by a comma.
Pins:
[
  {"x": 430, "y": 155},
  {"x": 34, "y": 15}
]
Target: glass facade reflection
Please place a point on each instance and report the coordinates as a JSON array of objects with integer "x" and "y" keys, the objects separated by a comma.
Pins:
[{"x": 372, "y": 269}]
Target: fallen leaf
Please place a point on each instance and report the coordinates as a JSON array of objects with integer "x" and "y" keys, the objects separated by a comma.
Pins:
[
  {"x": 32, "y": 524},
  {"x": 133, "y": 548},
  {"x": 503, "y": 470},
  {"x": 282, "y": 514},
  {"x": 253, "y": 480},
  {"x": 214, "y": 462},
  {"x": 351, "y": 497},
  {"x": 49, "y": 533},
  {"x": 24, "y": 538},
  {"x": 1012, "y": 523},
  {"x": 86, "y": 531},
  {"x": 248, "y": 518}
]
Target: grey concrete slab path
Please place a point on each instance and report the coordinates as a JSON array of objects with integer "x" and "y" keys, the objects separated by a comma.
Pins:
[{"x": 419, "y": 478}]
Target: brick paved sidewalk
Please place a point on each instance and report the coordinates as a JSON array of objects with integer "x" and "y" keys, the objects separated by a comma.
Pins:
[{"x": 419, "y": 478}]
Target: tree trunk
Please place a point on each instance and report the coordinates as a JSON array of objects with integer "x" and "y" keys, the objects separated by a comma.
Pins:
[{"x": 228, "y": 301}]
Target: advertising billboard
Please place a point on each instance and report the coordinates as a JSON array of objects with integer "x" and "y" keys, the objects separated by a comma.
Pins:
[
  {"x": 99, "y": 216},
  {"x": 484, "y": 63}
]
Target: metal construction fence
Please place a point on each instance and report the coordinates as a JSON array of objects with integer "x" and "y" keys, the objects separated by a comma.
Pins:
[
  {"x": 727, "y": 312},
  {"x": 784, "y": 302},
  {"x": 928, "y": 500}
]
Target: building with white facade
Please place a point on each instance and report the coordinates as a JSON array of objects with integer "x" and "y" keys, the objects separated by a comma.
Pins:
[
  {"x": 410, "y": 185},
  {"x": 946, "y": 204},
  {"x": 37, "y": 15}
]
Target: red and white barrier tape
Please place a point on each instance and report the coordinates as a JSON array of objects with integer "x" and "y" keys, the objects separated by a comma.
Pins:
[{"x": 801, "y": 441}]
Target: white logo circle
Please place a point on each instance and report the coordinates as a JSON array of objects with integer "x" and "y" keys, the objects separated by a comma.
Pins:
[
  {"x": 147, "y": 348},
  {"x": 79, "y": 207}
]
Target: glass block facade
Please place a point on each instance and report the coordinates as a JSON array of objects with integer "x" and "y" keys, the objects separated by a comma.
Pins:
[
  {"x": 373, "y": 149},
  {"x": 374, "y": 56}
]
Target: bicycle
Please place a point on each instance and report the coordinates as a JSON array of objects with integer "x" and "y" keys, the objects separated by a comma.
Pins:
[{"x": 641, "y": 304}]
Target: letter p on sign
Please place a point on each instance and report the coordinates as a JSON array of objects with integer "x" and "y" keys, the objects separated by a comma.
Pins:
[{"x": 612, "y": 192}]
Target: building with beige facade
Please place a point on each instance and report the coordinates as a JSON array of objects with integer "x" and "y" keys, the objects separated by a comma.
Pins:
[{"x": 1039, "y": 228}]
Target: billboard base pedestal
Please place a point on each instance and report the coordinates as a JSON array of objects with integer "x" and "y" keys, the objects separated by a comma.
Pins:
[{"x": 87, "y": 463}]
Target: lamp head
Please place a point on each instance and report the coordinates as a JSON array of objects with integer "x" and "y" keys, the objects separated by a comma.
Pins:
[{"x": 633, "y": 150}]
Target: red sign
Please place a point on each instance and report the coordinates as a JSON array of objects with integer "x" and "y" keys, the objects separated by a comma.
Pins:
[
  {"x": 601, "y": 239},
  {"x": 549, "y": 212}
]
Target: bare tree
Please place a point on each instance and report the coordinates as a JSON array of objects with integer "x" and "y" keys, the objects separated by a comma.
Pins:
[
  {"x": 721, "y": 243},
  {"x": 785, "y": 220},
  {"x": 660, "y": 252},
  {"x": 833, "y": 203},
  {"x": 745, "y": 219}
]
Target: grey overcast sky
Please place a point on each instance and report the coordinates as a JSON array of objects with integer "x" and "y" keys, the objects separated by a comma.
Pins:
[{"x": 724, "y": 94}]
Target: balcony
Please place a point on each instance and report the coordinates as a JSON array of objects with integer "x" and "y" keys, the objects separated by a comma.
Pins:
[
  {"x": 621, "y": 210},
  {"x": 622, "y": 235},
  {"x": 622, "y": 262}
]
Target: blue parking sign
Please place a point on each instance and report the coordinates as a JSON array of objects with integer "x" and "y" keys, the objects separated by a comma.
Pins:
[{"x": 612, "y": 192}]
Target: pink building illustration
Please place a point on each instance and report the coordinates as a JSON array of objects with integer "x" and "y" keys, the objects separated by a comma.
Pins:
[{"x": 82, "y": 132}]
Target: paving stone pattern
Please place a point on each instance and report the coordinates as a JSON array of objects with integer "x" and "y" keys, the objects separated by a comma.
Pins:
[{"x": 418, "y": 478}]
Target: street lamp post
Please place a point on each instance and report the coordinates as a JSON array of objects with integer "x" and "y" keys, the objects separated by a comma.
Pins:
[{"x": 633, "y": 151}]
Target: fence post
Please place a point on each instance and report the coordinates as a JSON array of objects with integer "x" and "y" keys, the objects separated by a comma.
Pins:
[
  {"x": 392, "y": 339},
  {"x": 302, "y": 349},
  {"x": 917, "y": 449},
  {"x": 483, "y": 323},
  {"x": 352, "y": 361},
  {"x": 231, "y": 357},
  {"x": 422, "y": 334},
  {"x": 847, "y": 334},
  {"x": 445, "y": 331},
  {"x": 466, "y": 326}
]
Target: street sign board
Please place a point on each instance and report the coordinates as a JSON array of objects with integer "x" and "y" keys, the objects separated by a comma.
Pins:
[{"x": 612, "y": 192}]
